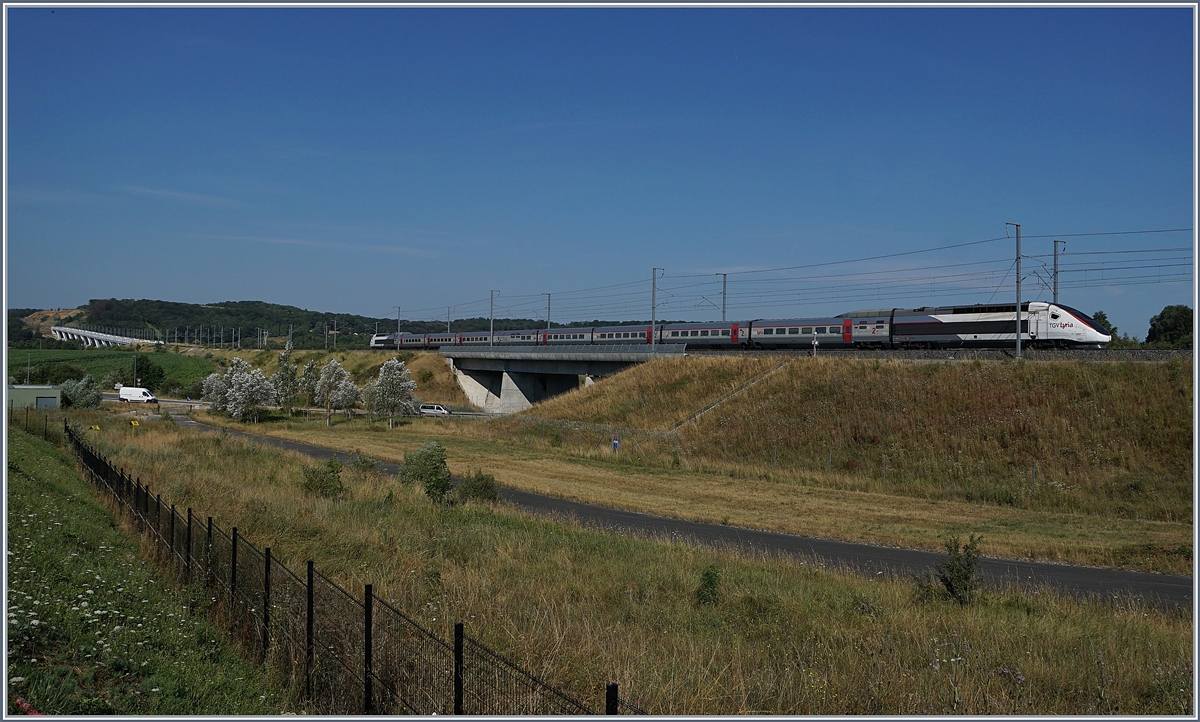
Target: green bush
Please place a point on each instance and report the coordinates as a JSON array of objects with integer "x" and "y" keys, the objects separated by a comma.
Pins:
[
  {"x": 959, "y": 575},
  {"x": 709, "y": 591},
  {"x": 478, "y": 486},
  {"x": 427, "y": 466},
  {"x": 324, "y": 479}
]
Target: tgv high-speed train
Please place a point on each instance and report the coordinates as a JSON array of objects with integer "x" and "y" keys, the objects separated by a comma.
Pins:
[{"x": 1043, "y": 325}]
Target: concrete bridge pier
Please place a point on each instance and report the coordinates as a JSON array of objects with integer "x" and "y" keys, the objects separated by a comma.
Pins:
[
  {"x": 506, "y": 392},
  {"x": 509, "y": 379}
]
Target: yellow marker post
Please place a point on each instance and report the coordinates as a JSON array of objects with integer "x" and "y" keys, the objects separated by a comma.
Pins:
[
  {"x": 132, "y": 423},
  {"x": 95, "y": 427}
]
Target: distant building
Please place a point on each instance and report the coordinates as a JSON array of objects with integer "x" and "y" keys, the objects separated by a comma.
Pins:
[{"x": 38, "y": 397}]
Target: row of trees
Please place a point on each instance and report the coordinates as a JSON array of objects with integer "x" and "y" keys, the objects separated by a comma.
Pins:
[
  {"x": 244, "y": 392},
  {"x": 1170, "y": 329}
]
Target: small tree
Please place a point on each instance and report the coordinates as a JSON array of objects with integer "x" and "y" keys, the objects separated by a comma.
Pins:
[
  {"x": 370, "y": 399},
  {"x": 285, "y": 381},
  {"x": 214, "y": 392},
  {"x": 335, "y": 390},
  {"x": 959, "y": 575},
  {"x": 394, "y": 390},
  {"x": 427, "y": 466},
  {"x": 306, "y": 385},
  {"x": 84, "y": 393},
  {"x": 247, "y": 393}
]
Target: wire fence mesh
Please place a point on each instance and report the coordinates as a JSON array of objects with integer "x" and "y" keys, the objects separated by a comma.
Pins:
[{"x": 331, "y": 650}]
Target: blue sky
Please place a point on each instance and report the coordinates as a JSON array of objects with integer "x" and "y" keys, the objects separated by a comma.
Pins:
[{"x": 356, "y": 159}]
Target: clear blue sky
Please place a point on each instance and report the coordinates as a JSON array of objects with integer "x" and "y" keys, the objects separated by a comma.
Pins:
[{"x": 356, "y": 159}]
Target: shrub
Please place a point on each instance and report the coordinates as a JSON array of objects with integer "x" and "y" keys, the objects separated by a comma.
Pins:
[
  {"x": 709, "y": 592},
  {"x": 83, "y": 394},
  {"x": 427, "y": 466},
  {"x": 478, "y": 486},
  {"x": 324, "y": 479},
  {"x": 959, "y": 575}
]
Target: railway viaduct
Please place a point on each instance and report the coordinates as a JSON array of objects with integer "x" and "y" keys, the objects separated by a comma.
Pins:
[
  {"x": 505, "y": 379},
  {"x": 95, "y": 338}
]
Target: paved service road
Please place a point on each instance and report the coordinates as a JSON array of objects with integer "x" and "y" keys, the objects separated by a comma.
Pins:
[{"x": 1162, "y": 589}]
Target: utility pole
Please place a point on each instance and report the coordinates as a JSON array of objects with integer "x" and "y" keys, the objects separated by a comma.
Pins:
[
  {"x": 326, "y": 335},
  {"x": 1056, "y": 267},
  {"x": 1018, "y": 225},
  {"x": 653, "y": 301},
  {"x": 547, "y": 310},
  {"x": 492, "y": 315},
  {"x": 397, "y": 327},
  {"x": 335, "y": 334},
  {"x": 448, "y": 319},
  {"x": 724, "y": 285}
]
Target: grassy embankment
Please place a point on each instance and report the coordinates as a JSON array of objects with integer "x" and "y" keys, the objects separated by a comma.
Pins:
[
  {"x": 92, "y": 627},
  {"x": 581, "y": 607},
  {"x": 802, "y": 452}
]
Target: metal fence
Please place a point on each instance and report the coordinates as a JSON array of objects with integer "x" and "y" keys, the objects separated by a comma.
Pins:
[{"x": 337, "y": 652}]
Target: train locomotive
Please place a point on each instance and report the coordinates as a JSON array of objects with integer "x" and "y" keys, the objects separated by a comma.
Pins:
[{"x": 1043, "y": 325}]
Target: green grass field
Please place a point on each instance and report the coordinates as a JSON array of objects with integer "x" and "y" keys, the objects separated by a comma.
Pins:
[
  {"x": 100, "y": 361},
  {"x": 94, "y": 629}
]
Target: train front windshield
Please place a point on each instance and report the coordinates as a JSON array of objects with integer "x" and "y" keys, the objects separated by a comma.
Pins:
[{"x": 1096, "y": 325}]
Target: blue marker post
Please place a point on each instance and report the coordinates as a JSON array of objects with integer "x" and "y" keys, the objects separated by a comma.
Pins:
[{"x": 616, "y": 442}]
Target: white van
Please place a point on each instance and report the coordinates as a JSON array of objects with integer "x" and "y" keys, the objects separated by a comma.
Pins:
[
  {"x": 137, "y": 395},
  {"x": 434, "y": 410}
]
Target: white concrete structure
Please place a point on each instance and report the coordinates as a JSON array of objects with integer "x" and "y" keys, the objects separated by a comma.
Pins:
[{"x": 94, "y": 338}]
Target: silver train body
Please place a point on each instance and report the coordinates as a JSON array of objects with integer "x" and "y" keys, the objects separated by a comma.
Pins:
[{"x": 1043, "y": 325}]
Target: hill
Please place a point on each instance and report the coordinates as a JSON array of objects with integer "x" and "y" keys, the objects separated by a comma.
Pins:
[{"x": 308, "y": 327}]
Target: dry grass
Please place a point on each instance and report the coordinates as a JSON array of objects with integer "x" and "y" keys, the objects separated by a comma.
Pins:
[
  {"x": 583, "y": 607},
  {"x": 810, "y": 503},
  {"x": 654, "y": 395}
]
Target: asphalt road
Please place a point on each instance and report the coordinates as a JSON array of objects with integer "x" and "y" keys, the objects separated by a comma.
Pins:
[{"x": 1083, "y": 582}]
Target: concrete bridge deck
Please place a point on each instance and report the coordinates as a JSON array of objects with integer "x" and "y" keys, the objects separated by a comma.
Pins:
[{"x": 506, "y": 379}]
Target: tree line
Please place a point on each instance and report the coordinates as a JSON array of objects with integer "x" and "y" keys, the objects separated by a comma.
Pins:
[{"x": 1172, "y": 328}]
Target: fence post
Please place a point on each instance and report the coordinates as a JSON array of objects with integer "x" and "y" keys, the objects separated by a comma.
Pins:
[
  {"x": 458, "y": 667},
  {"x": 233, "y": 573},
  {"x": 308, "y": 637},
  {"x": 368, "y": 702},
  {"x": 210, "y": 577},
  {"x": 610, "y": 699},
  {"x": 266, "y": 640},
  {"x": 158, "y": 514},
  {"x": 187, "y": 557},
  {"x": 171, "y": 546}
]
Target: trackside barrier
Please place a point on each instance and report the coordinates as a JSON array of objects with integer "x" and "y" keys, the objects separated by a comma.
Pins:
[{"x": 337, "y": 652}]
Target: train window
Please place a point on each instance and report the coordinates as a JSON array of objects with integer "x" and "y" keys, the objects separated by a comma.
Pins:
[
  {"x": 806, "y": 329},
  {"x": 768, "y": 331},
  {"x": 674, "y": 333},
  {"x": 704, "y": 332},
  {"x": 819, "y": 329},
  {"x": 862, "y": 328},
  {"x": 725, "y": 332},
  {"x": 796, "y": 330}
]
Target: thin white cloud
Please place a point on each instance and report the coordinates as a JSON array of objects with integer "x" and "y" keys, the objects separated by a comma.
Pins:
[
  {"x": 182, "y": 196},
  {"x": 370, "y": 248}
]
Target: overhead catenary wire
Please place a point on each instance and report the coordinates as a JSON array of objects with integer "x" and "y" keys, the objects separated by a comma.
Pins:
[{"x": 685, "y": 294}]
